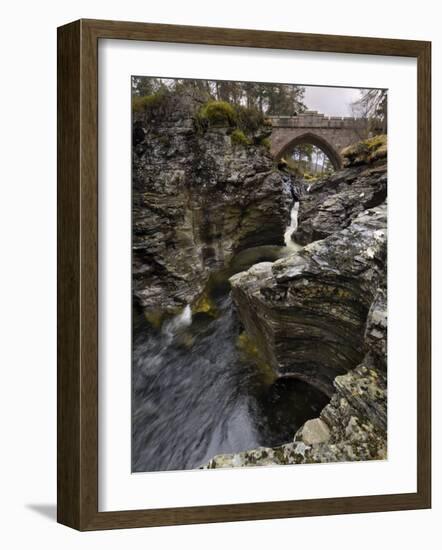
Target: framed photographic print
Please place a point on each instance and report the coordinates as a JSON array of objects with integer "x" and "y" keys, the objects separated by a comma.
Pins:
[{"x": 244, "y": 275}]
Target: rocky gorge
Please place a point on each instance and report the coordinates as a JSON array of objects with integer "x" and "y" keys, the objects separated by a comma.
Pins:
[
  {"x": 200, "y": 196},
  {"x": 281, "y": 349},
  {"x": 321, "y": 315}
]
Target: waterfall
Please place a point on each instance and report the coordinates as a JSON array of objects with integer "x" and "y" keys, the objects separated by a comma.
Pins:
[
  {"x": 183, "y": 319},
  {"x": 292, "y": 228}
]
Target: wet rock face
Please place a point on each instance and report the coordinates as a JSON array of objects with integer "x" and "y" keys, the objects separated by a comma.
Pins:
[
  {"x": 353, "y": 426},
  {"x": 198, "y": 199},
  {"x": 321, "y": 315},
  {"x": 332, "y": 203},
  {"x": 307, "y": 313}
]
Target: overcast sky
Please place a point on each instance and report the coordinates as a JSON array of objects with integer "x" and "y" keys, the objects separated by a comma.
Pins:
[{"x": 331, "y": 101}]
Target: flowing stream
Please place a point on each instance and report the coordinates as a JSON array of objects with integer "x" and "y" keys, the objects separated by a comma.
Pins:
[
  {"x": 289, "y": 242},
  {"x": 200, "y": 389}
]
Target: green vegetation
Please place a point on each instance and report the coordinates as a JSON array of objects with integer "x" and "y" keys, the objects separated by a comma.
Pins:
[
  {"x": 297, "y": 170},
  {"x": 245, "y": 344},
  {"x": 307, "y": 161},
  {"x": 216, "y": 113},
  {"x": 249, "y": 350},
  {"x": 238, "y": 137},
  {"x": 377, "y": 146},
  {"x": 265, "y": 98},
  {"x": 292, "y": 166},
  {"x": 249, "y": 119},
  {"x": 149, "y": 104},
  {"x": 242, "y": 106},
  {"x": 222, "y": 113},
  {"x": 309, "y": 177},
  {"x": 244, "y": 121},
  {"x": 155, "y": 317},
  {"x": 265, "y": 142},
  {"x": 368, "y": 150},
  {"x": 205, "y": 304}
]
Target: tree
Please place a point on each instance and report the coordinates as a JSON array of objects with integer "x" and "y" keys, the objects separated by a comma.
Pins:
[
  {"x": 143, "y": 85},
  {"x": 268, "y": 99},
  {"x": 284, "y": 99},
  {"x": 372, "y": 105}
]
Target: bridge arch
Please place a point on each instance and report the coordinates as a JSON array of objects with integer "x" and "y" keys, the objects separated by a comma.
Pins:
[
  {"x": 312, "y": 139},
  {"x": 330, "y": 133}
]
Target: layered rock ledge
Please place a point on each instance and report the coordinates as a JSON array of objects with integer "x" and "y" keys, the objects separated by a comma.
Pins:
[
  {"x": 307, "y": 313},
  {"x": 353, "y": 426}
]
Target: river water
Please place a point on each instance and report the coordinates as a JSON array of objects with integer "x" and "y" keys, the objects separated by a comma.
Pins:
[{"x": 200, "y": 388}]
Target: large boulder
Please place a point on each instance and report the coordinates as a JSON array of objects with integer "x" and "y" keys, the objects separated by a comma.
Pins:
[
  {"x": 199, "y": 197},
  {"x": 333, "y": 202}
]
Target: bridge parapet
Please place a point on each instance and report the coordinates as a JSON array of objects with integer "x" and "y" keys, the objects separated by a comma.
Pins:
[{"x": 313, "y": 119}]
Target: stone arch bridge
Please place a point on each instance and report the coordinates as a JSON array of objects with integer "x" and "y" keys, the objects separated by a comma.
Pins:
[{"x": 330, "y": 134}]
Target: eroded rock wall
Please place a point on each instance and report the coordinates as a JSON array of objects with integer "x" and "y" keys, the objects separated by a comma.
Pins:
[
  {"x": 353, "y": 426},
  {"x": 198, "y": 199},
  {"x": 320, "y": 315},
  {"x": 307, "y": 313}
]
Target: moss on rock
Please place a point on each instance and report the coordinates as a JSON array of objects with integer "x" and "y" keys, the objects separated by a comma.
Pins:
[
  {"x": 205, "y": 304},
  {"x": 154, "y": 317},
  {"x": 265, "y": 142},
  {"x": 366, "y": 151},
  {"x": 238, "y": 137},
  {"x": 250, "y": 351},
  {"x": 149, "y": 103},
  {"x": 216, "y": 113}
]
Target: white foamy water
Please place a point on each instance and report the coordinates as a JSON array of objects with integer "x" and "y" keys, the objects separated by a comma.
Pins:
[
  {"x": 183, "y": 319},
  {"x": 292, "y": 228}
]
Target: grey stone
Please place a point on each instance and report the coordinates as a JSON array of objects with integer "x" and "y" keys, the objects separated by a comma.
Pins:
[
  {"x": 315, "y": 431},
  {"x": 332, "y": 203}
]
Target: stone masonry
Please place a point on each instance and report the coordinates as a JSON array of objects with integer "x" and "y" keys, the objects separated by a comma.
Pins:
[{"x": 331, "y": 134}]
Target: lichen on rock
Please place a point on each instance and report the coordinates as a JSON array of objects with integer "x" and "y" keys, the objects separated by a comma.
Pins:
[{"x": 346, "y": 430}]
